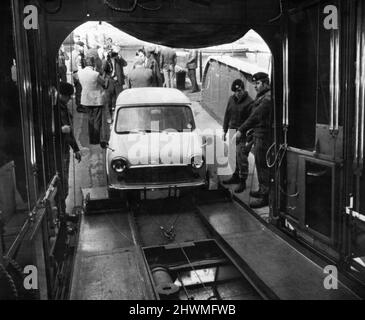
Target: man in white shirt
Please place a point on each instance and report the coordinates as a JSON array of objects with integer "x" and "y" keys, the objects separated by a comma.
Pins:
[{"x": 93, "y": 98}]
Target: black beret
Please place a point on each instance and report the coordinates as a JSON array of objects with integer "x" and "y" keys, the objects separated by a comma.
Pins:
[
  {"x": 66, "y": 89},
  {"x": 80, "y": 43},
  {"x": 237, "y": 84},
  {"x": 260, "y": 76}
]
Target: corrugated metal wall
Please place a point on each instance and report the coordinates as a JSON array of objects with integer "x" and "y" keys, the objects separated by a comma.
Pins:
[{"x": 216, "y": 87}]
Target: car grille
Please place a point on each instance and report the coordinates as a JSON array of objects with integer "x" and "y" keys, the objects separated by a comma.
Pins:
[{"x": 159, "y": 175}]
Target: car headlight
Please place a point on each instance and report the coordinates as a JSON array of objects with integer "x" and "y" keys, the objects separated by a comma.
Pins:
[
  {"x": 119, "y": 165},
  {"x": 197, "y": 162}
]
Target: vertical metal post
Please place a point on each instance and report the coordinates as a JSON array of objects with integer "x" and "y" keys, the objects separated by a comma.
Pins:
[
  {"x": 25, "y": 99},
  {"x": 286, "y": 81},
  {"x": 360, "y": 94},
  {"x": 334, "y": 82},
  {"x": 201, "y": 65}
]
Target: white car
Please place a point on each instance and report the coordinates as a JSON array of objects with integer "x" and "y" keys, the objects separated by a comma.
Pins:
[{"x": 154, "y": 144}]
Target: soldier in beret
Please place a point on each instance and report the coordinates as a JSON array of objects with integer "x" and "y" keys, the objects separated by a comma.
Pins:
[
  {"x": 259, "y": 123},
  {"x": 238, "y": 110}
]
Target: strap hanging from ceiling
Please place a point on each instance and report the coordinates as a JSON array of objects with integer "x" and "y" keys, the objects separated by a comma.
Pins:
[
  {"x": 50, "y": 11},
  {"x": 132, "y": 7}
]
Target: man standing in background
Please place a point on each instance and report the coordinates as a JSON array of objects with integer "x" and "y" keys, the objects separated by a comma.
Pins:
[
  {"x": 117, "y": 78},
  {"x": 93, "y": 99},
  {"x": 168, "y": 61},
  {"x": 192, "y": 65},
  {"x": 154, "y": 66},
  {"x": 140, "y": 77},
  {"x": 77, "y": 61},
  {"x": 67, "y": 138},
  {"x": 62, "y": 69}
]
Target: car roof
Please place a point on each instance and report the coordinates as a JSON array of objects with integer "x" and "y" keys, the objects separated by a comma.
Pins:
[{"x": 146, "y": 96}]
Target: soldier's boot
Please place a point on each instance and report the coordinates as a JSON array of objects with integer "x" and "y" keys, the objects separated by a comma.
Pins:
[{"x": 241, "y": 187}]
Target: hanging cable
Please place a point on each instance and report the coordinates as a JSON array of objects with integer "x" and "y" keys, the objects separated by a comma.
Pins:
[
  {"x": 278, "y": 161},
  {"x": 52, "y": 11},
  {"x": 132, "y": 8},
  {"x": 149, "y": 9},
  {"x": 280, "y": 14},
  {"x": 282, "y": 149},
  {"x": 184, "y": 288},
  {"x": 192, "y": 267},
  {"x": 112, "y": 7}
]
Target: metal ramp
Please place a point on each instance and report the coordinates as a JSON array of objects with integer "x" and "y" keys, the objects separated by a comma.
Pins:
[
  {"x": 108, "y": 263},
  {"x": 286, "y": 271}
]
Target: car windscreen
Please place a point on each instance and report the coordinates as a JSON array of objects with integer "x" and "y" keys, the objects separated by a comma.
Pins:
[{"x": 154, "y": 119}]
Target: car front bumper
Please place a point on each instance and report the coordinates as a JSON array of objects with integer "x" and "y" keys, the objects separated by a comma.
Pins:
[{"x": 130, "y": 186}]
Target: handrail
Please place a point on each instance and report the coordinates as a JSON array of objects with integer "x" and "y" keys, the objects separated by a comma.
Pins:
[
  {"x": 358, "y": 90},
  {"x": 362, "y": 100},
  {"x": 51, "y": 188},
  {"x": 360, "y": 95},
  {"x": 337, "y": 79},
  {"x": 334, "y": 82},
  {"x": 286, "y": 82},
  {"x": 32, "y": 220}
]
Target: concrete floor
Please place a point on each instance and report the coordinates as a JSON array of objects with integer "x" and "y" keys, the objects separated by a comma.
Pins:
[{"x": 91, "y": 173}]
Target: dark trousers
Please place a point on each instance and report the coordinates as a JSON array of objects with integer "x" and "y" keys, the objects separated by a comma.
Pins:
[
  {"x": 62, "y": 70},
  {"x": 242, "y": 152},
  {"x": 78, "y": 89},
  {"x": 65, "y": 170},
  {"x": 111, "y": 94},
  {"x": 95, "y": 123},
  {"x": 263, "y": 172},
  {"x": 115, "y": 90},
  {"x": 192, "y": 77}
]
